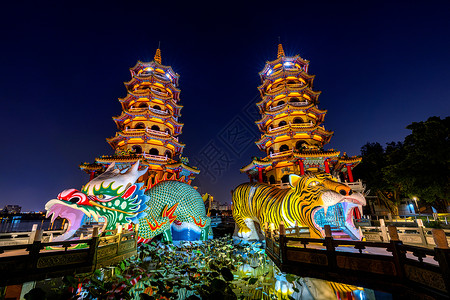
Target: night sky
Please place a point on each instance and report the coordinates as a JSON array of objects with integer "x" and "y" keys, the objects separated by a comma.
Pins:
[{"x": 380, "y": 66}]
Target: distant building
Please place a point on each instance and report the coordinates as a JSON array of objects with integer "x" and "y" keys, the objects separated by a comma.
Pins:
[{"x": 11, "y": 209}]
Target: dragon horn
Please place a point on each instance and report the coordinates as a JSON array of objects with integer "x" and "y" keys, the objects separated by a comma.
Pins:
[{"x": 111, "y": 166}]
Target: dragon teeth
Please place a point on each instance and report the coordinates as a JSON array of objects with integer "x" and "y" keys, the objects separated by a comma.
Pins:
[
  {"x": 54, "y": 216},
  {"x": 95, "y": 216}
]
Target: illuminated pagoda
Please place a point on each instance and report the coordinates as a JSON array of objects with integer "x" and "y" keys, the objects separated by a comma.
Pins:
[
  {"x": 293, "y": 135},
  {"x": 148, "y": 127}
]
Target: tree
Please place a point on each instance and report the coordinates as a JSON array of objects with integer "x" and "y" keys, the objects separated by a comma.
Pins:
[
  {"x": 374, "y": 160},
  {"x": 423, "y": 168}
]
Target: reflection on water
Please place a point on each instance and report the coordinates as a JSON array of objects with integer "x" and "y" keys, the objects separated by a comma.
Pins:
[{"x": 24, "y": 223}]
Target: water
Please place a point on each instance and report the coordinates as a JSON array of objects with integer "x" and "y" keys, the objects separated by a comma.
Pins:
[{"x": 24, "y": 223}]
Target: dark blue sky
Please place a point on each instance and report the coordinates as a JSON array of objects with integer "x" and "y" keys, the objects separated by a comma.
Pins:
[{"x": 379, "y": 65}]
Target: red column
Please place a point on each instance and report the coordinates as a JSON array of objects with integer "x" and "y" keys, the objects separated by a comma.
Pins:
[
  {"x": 327, "y": 166},
  {"x": 356, "y": 213},
  {"x": 349, "y": 172},
  {"x": 302, "y": 166},
  {"x": 91, "y": 175},
  {"x": 260, "y": 175}
]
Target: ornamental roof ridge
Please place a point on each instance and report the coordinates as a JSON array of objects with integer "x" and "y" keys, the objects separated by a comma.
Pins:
[{"x": 141, "y": 64}]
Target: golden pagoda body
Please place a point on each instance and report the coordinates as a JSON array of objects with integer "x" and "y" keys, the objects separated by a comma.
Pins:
[
  {"x": 149, "y": 127},
  {"x": 293, "y": 135}
]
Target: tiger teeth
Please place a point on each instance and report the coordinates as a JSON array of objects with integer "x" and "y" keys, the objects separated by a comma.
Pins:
[
  {"x": 325, "y": 208},
  {"x": 360, "y": 208}
]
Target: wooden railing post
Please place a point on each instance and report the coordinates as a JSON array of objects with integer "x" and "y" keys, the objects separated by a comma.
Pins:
[
  {"x": 397, "y": 253},
  {"x": 283, "y": 243},
  {"x": 329, "y": 244},
  {"x": 93, "y": 247},
  {"x": 442, "y": 255},
  {"x": 34, "y": 249}
]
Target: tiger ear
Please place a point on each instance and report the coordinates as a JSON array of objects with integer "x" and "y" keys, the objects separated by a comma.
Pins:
[{"x": 293, "y": 180}]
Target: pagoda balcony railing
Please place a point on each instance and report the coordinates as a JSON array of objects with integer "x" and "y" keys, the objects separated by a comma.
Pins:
[
  {"x": 160, "y": 93},
  {"x": 156, "y": 132},
  {"x": 292, "y": 125},
  {"x": 138, "y": 109},
  {"x": 155, "y": 157},
  {"x": 280, "y": 154},
  {"x": 302, "y": 125},
  {"x": 277, "y": 107},
  {"x": 161, "y": 112},
  {"x": 303, "y": 103}
]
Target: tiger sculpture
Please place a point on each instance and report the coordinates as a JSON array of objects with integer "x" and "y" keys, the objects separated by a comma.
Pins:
[{"x": 261, "y": 203}]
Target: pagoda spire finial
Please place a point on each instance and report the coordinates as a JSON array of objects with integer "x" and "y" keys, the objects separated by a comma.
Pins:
[
  {"x": 280, "y": 49},
  {"x": 157, "y": 57}
]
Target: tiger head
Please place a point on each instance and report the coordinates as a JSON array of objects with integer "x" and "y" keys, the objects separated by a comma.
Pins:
[{"x": 319, "y": 199}]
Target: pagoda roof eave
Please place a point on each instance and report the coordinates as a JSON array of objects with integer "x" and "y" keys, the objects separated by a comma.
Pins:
[
  {"x": 255, "y": 164},
  {"x": 120, "y": 136},
  {"x": 177, "y": 165},
  {"x": 326, "y": 153},
  {"x": 272, "y": 77}
]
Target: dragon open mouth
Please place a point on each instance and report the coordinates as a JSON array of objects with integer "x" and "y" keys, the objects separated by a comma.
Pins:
[
  {"x": 340, "y": 217},
  {"x": 74, "y": 215}
]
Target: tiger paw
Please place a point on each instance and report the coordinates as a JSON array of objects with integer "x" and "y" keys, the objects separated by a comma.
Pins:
[{"x": 244, "y": 232}]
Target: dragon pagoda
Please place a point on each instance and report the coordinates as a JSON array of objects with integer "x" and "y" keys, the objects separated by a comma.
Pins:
[
  {"x": 293, "y": 136},
  {"x": 148, "y": 127}
]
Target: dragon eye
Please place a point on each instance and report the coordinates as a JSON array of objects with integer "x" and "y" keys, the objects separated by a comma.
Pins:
[{"x": 101, "y": 196}]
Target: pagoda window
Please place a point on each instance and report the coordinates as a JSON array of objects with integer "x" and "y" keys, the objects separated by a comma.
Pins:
[
  {"x": 272, "y": 179},
  {"x": 284, "y": 147},
  {"x": 168, "y": 154},
  {"x": 168, "y": 131},
  {"x": 285, "y": 179},
  {"x": 270, "y": 151},
  {"x": 137, "y": 149},
  {"x": 157, "y": 107},
  {"x": 155, "y": 127},
  {"x": 142, "y": 105},
  {"x": 294, "y": 99},
  {"x": 282, "y": 123},
  {"x": 300, "y": 145},
  {"x": 280, "y": 103},
  {"x": 153, "y": 151},
  {"x": 298, "y": 120},
  {"x": 139, "y": 126},
  {"x": 291, "y": 82}
]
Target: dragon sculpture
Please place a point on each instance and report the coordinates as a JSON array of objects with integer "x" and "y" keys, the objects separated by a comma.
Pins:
[
  {"x": 115, "y": 198},
  {"x": 308, "y": 197}
]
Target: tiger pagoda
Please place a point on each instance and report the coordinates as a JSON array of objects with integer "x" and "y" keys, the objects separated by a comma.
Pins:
[
  {"x": 293, "y": 135},
  {"x": 148, "y": 127}
]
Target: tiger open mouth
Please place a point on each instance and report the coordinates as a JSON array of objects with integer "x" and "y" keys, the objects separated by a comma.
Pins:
[{"x": 339, "y": 214}]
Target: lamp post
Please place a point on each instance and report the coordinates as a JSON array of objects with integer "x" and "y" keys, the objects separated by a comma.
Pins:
[{"x": 415, "y": 200}]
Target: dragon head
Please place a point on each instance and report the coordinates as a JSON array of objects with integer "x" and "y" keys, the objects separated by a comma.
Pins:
[
  {"x": 113, "y": 197},
  {"x": 322, "y": 200}
]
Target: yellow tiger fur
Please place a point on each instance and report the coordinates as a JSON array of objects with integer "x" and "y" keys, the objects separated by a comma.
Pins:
[{"x": 259, "y": 202}]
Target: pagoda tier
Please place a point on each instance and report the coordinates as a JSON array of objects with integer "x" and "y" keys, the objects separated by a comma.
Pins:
[
  {"x": 293, "y": 136},
  {"x": 148, "y": 126}
]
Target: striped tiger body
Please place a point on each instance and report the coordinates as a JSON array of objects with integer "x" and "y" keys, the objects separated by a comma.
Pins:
[{"x": 259, "y": 202}]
